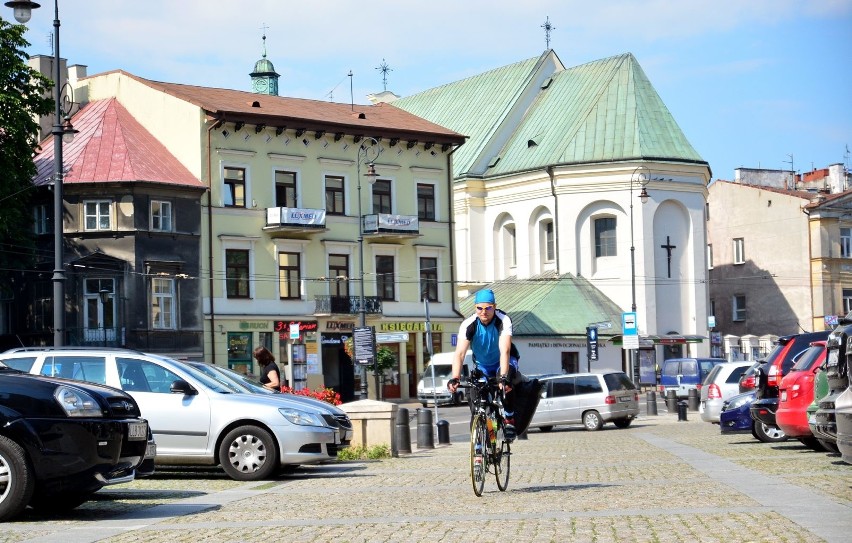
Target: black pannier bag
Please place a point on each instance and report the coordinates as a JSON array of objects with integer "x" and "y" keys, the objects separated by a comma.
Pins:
[{"x": 527, "y": 395}]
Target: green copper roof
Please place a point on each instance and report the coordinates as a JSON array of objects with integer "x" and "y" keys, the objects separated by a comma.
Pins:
[
  {"x": 603, "y": 111},
  {"x": 552, "y": 306}
]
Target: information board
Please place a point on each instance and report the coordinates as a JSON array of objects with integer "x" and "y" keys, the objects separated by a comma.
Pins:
[{"x": 365, "y": 345}]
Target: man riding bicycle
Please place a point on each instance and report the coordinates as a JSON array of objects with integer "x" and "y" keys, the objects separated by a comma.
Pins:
[{"x": 488, "y": 333}]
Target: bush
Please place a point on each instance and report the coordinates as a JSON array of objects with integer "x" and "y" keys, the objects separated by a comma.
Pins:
[{"x": 361, "y": 452}]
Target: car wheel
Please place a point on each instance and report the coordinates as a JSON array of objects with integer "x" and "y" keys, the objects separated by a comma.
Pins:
[
  {"x": 754, "y": 429},
  {"x": 812, "y": 443},
  {"x": 60, "y": 501},
  {"x": 769, "y": 434},
  {"x": 592, "y": 420},
  {"x": 545, "y": 429},
  {"x": 622, "y": 423},
  {"x": 248, "y": 453},
  {"x": 17, "y": 480}
]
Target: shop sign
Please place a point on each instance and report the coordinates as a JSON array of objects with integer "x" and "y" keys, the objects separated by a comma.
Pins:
[
  {"x": 393, "y": 337},
  {"x": 339, "y": 325},
  {"x": 248, "y": 325},
  {"x": 416, "y": 326}
]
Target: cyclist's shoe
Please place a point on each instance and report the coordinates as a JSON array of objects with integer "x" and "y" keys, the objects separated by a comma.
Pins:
[{"x": 509, "y": 428}]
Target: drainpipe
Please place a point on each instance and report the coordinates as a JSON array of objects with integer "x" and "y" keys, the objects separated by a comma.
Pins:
[
  {"x": 212, "y": 127},
  {"x": 452, "y": 225},
  {"x": 550, "y": 174}
]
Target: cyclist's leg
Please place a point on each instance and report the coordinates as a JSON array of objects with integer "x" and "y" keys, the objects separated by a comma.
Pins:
[{"x": 509, "y": 404}]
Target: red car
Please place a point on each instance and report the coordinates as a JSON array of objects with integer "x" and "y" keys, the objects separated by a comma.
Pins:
[{"x": 796, "y": 394}]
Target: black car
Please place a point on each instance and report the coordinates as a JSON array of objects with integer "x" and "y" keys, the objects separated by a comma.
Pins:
[
  {"x": 825, "y": 418},
  {"x": 785, "y": 354},
  {"x": 62, "y": 440}
]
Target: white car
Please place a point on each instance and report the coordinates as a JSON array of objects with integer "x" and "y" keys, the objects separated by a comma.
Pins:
[
  {"x": 720, "y": 385},
  {"x": 197, "y": 420}
]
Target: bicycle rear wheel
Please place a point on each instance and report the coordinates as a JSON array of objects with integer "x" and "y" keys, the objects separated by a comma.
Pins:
[
  {"x": 478, "y": 453},
  {"x": 502, "y": 465}
]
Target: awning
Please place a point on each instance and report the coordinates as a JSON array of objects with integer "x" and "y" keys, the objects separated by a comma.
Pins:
[{"x": 668, "y": 339}]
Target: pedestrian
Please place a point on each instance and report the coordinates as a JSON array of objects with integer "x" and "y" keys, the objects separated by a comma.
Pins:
[{"x": 270, "y": 375}]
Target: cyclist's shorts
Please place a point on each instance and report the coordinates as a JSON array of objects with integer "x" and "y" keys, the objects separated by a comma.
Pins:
[{"x": 493, "y": 371}]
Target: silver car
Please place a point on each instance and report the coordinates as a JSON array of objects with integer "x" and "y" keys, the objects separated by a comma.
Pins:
[
  {"x": 720, "y": 385},
  {"x": 590, "y": 399},
  {"x": 197, "y": 420}
]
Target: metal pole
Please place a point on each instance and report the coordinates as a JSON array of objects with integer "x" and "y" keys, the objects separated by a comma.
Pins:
[
  {"x": 58, "y": 268},
  {"x": 429, "y": 350},
  {"x": 362, "y": 310},
  {"x": 632, "y": 273}
]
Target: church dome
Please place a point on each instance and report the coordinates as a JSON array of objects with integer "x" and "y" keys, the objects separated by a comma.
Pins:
[{"x": 263, "y": 67}]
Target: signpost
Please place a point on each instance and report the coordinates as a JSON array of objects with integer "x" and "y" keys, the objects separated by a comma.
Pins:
[
  {"x": 591, "y": 345},
  {"x": 630, "y": 340}
]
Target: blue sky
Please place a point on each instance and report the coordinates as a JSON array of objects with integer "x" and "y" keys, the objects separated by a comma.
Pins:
[{"x": 752, "y": 83}]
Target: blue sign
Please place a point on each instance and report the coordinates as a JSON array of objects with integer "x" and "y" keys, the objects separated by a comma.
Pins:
[
  {"x": 592, "y": 342},
  {"x": 628, "y": 323}
]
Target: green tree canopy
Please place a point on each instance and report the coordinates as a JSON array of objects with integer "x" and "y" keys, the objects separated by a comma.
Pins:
[{"x": 23, "y": 97}]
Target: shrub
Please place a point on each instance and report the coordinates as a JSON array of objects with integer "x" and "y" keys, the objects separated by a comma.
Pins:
[
  {"x": 364, "y": 453},
  {"x": 324, "y": 394}
]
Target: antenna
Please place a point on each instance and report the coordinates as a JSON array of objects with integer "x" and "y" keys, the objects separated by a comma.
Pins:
[
  {"x": 548, "y": 28},
  {"x": 351, "y": 92},
  {"x": 384, "y": 68},
  {"x": 792, "y": 173}
]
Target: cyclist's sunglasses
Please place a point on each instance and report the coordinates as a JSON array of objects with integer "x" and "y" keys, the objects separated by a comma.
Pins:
[{"x": 485, "y": 308}]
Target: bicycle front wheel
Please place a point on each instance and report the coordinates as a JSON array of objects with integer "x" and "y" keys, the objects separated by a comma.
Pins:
[
  {"x": 502, "y": 465},
  {"x": 478, "y": 453}
]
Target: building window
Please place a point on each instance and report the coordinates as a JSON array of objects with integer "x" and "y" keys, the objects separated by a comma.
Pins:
[
  {"x": 425, "y": 202},
  {"x": 549, "y": 241},
  {"x": 235, "y": 187},
  {"x": 43, "y": 306},
  {"x": 99, "y": 310},
  {"x": 334, "y": 195},
  {"x": 97, "y": 215},
  {"x": 739, "y": 251},
  {"x": 510, "y": 246},
  {"x": 285, "y": 189},
  {"x": 338, "y": 273},
  {"x": 605, "y": 237},
  {"x": 847, "y": 301},
  {"x": 161, "y": 216},
  {"x": 382, "y": 196},
  {"x": 40, "y": 219},
  {"x": 739, "y": 308},
  {"x": 289, "y": 277},
  {"x": 429, "y": 278},
  {"x": 385, "y": 277},
  {"x": 163, "y": 304},
  {"x": 846, "y": 242},
  {"x": 709, "y": 256},
  {"x": 237, "y": 273}
]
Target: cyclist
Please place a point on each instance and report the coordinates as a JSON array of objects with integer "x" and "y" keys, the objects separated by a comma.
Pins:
[{"x": 488, "y": 333}]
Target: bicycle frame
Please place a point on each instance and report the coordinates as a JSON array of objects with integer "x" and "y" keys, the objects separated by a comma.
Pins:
[{"x": 489, "y": 450}]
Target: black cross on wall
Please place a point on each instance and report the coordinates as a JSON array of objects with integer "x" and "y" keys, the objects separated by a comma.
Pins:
[{"x": 668, "y": 247}]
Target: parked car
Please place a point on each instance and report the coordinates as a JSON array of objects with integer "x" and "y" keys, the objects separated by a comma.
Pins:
[
  {"x": 684, "y": 374},
  {"x": 736, "y": 418},
  {"x": 748, "y": 380},
  {"x": 245, "y": 384},
  {"x": 820, "y": 392},
  {"x": 797, "y": 393},
  {"x": 197, "y": 420},
  {"x": 825, "y": 417},
  {"x": 721, "y": 383},
  {"x": 61, "y": 441},
  {"x": 787, "y": 352},
  {"x": 590, "y": 399},
  {"x": 843, "y": 415}
]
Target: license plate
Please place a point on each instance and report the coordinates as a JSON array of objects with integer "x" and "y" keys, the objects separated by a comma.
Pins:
[
  {"x": 832, "y": 357},
  {"x": 783, "y": 395},
  {"x": 137, "y": 431},
  {"x": 625, "y": 399}
]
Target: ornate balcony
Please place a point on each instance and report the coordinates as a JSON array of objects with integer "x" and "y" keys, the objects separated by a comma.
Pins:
[
  {"x": 387, "y": 225},
  {"x": 289, "y": 220},
  {"x": 346, "y": 305}
]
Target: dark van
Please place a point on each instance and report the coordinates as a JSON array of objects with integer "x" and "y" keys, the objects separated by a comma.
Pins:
[{"x": 683, "y": 374}]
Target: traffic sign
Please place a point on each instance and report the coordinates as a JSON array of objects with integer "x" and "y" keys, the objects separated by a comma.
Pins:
[{"x": 592, "y": 342}]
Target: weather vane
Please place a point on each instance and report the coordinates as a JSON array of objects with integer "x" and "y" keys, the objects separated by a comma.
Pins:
[
  {"x": 548, "y": 28},
  {"x": 264, "y": 27},
  {"x": 384, "y": 68}
]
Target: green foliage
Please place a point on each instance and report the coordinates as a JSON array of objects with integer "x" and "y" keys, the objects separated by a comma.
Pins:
[
  {"x": 385, "y": 359},
  {"x": 23, "y": 95},
  {"x": 361, "y": 452}
]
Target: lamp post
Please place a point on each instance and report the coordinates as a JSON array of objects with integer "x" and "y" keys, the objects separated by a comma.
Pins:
[
  {"x": 643, "y": 176},
  {"x": 368, "y": 151},
  {"x": 23, "y": 12}
]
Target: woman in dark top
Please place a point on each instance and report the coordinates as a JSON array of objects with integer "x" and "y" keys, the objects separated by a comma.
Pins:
[{"x": 270, "y": 375}]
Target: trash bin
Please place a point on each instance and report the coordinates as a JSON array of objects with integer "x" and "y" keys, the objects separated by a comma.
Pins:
[{"x": 681, "y": 410}]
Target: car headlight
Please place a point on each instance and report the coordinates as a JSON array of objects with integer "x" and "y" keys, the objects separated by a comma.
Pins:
[
  {"x": 77, "y": 403},
  {"x": 739, "y": 402},
  {"x": 302, "y": 418}
]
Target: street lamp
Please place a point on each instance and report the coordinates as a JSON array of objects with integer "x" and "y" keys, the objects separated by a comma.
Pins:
[
  {"x": 368, "y": 151},
  {"x": 23, "y": 12},
  {"x": 642, "y": 175}
]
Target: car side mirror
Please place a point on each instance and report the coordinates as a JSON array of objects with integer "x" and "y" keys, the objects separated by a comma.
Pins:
[{"x": 182, "y": 387}]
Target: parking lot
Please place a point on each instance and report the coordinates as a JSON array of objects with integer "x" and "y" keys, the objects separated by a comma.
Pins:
[{"x": 659, "y": 480}]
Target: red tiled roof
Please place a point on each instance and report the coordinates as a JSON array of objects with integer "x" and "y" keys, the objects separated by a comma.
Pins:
[
  {"x": 234, "y": 105},
  {"x": 112, "y": 146}
]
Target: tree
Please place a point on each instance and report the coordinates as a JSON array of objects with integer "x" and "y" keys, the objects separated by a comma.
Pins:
[{"x": 23, "y": 97}]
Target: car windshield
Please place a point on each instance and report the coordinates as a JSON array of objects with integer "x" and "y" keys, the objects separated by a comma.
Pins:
[
  {"x": 441, "y": 370},
  {"x": 808, "y": 358},
  {"x": 712, "y": 375},
  {"x": 231, "y": 378},
  {"x": 209, "y": 382}
]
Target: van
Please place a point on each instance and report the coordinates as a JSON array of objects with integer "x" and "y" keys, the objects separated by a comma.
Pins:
[
  {"x": 590, "y": 399},
  {"x": 684, "y": 374},
  {"x": 429, "y": 390}
]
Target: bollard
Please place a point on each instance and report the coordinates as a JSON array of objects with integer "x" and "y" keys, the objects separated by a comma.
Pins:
[
  {"x": 681, "y": 410},
  {"x": 693, "y": 399},
  {"x": 651, "y": 402},
  {"x": 402, "y": 432},
  {"x": 425, "y": 438},
  {"x": 671, "y": 401},
  {"x": 443, "y": 432}
]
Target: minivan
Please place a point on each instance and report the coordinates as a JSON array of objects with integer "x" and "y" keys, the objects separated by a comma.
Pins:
[
  {"x": 590, "y": 399},
  {"x": 684, "y": 374},
  {"x": 430, "y": 390}
]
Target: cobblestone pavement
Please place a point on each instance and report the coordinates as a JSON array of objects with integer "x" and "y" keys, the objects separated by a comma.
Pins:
[{"x": 659, "y": 480}]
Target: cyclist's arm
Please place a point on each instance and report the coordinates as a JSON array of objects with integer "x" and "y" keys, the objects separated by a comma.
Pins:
[
  {"x": 462, "y": 346},
  {"x": 505, "y": 347}
]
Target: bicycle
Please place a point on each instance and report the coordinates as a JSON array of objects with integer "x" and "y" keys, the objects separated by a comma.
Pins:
[{"x": 490, "y": 452}]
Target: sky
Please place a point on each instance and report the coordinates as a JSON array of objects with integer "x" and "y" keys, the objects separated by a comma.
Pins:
[{"x": 752, "y": 83}]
